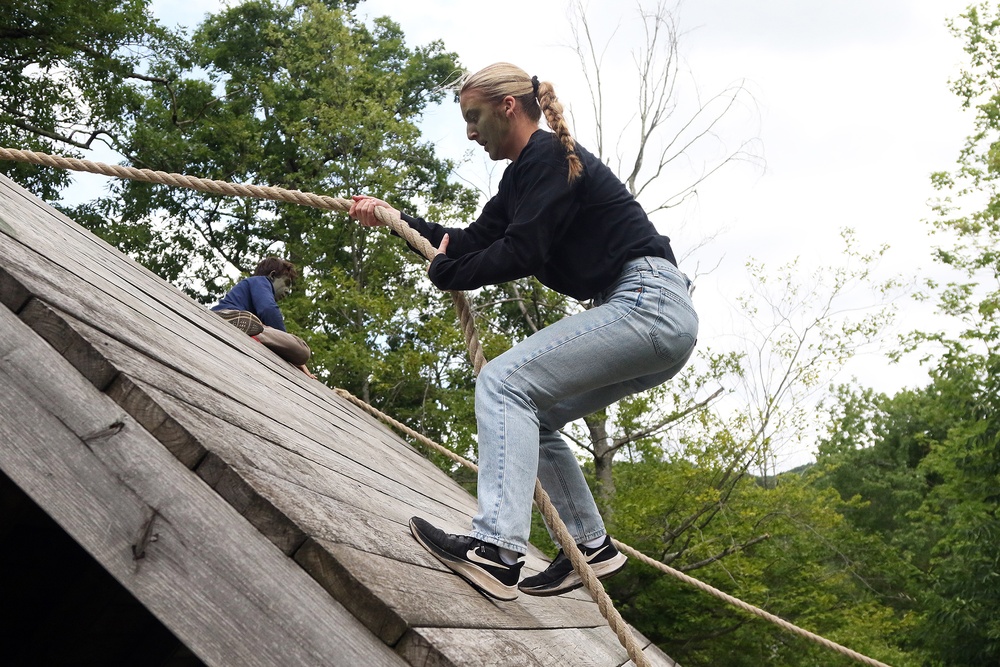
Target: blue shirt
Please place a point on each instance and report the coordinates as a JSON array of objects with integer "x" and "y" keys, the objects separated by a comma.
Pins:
[{"x": 256, "y": 295}]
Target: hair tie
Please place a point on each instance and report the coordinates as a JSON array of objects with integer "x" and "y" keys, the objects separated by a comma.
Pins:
[{"x": 534, "y": 85}]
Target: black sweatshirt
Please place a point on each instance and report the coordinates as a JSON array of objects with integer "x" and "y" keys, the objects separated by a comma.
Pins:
[{"x": 574, "y": 237}]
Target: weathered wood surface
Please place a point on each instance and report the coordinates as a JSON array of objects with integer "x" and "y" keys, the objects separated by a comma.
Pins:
[
  {"x": 520, "y": 648},
  {"x": 177, "y": 546},
  {"x": 293, "y": 463}
]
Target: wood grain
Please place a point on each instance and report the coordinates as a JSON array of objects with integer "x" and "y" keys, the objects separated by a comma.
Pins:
[{"x": 211, "y": 578}]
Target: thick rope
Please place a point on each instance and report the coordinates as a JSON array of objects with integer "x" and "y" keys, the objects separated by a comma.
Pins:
[
  {"x": 756, "y": 611},
  {"x": 466, "y": 319},
  {"x": 422, "y": 245}
]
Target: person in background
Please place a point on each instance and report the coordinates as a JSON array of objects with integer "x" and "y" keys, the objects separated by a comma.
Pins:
[
  {"x": 561, "y": 215},
  {"x": 252, "y": 307}
]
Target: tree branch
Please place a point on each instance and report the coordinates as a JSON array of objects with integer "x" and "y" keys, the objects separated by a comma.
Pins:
[
  {"x": 621, "y": 441},
  {"x": 725, "y": 552}
]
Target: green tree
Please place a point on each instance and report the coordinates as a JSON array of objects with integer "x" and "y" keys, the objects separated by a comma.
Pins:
[
  {"x": 922, "y": 469},
  {"x": 302, "y": 95},
  {"x": 805, "y": 564},
  {"x": 305, "y": 96},
  {"x": 69, "y": 75},
  {"x": 963, "y": 504},
  {"x": 872, "y": 451},
  {"x": 919, "y": 476}
]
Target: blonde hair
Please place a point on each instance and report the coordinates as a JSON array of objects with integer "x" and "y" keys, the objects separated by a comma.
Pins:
[{"x": 499, "y": 80}]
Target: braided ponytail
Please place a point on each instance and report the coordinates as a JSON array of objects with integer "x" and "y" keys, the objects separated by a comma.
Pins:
[
  {"x": 553, "y": 110},
  {"x": 536, "y": 97}
]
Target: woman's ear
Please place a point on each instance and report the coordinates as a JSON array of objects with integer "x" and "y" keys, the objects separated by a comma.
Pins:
[{"x": 509, "y": 103}]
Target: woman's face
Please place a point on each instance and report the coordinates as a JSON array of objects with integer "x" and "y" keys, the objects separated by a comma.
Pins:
[{"x": 485, "y": 124}]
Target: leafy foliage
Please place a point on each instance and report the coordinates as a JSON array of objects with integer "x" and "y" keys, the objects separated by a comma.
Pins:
[
  {"x": 920, "y": 473},
  {"x": 922, "y": 469},
  {"x": 68, "y": 70}
]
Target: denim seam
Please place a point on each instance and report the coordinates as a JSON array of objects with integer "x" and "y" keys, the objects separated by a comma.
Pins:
[
  {"x": 568, "y": 497},
  {"x": 502, "y": 459},
  {"x": 663, "y": 351},
  {"x": 499, "y": 541},
  {"x": 589, "y": 536},
  {"x": 679, "y": 301}
]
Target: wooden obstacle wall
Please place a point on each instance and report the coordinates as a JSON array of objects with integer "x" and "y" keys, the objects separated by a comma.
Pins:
[{"x": 256, "y": 514}]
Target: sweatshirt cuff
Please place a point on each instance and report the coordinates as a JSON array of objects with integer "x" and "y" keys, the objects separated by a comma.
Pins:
[
  {"x": 436, "y": 267},
  {"x": 408, "y": 219}
]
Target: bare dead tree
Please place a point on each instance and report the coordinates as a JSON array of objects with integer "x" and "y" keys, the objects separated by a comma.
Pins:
[
  {"x": 643, "y": 147},
  {"x": 659, "y": 134}
]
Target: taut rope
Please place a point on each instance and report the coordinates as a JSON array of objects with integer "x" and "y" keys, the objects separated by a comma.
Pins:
[{"x": 465, "y": 315}]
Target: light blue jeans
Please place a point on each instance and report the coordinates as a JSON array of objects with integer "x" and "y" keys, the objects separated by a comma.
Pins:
[{"x": 639, "y": 334}]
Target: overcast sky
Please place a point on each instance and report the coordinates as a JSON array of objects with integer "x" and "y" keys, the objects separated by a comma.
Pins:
[{"x": 848, "y": 105}]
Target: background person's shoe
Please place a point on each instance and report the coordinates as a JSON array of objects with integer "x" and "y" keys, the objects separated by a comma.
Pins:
[
  {"x": 243, "y": 320},
  {"x": 476, "y": 561},
  {"x": 560, "y": 577}
]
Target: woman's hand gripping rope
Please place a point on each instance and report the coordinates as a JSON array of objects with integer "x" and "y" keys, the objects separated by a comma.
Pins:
[{"x": 363, "y": 210}]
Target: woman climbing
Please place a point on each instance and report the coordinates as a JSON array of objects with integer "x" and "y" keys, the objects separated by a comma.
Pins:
[{"x": 562, "y": 216}]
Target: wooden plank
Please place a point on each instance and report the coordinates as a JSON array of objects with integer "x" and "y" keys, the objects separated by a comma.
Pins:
[
  {"x": 47, "y": 232},
  {"x": 157, "y": 331},
  {"x": 332, "y": 523},
  {"x": 339, "y": 500},
  {"x": 463, "y": 647},
  {"x": 388, "y": 598},
  {"x": 156, "y": 417},
  {"x": 294, "y": 497},
  {"x": 256, "y": 507},
  {"x": 323, "y": 443},
  {"x": 382, "y": 495},
  {"x": 95, "y": 366},
  {"x": 13, "y": 295},
  {"x": 239, "y": 377},
  {"x": 656, "y": 657},
  {"x": 317, "y": 473},
  {"x": 136, "y": 401},
  {"x": 163, "y": 322},
  {"x": 95, "y": 266},
  {"x": 250, "y": 485},
  {"x": 55, "y": 330},
  {"x": 209, "y": 576}
]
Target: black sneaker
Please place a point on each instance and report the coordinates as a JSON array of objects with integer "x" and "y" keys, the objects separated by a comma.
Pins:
[
  {"x": 560, "y": 577},
  {"x": 243, "y": 320},
  {"x": 475, "y": 561}
]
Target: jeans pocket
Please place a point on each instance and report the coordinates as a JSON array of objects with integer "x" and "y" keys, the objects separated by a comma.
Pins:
[{"x": 675, "y": 330}]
